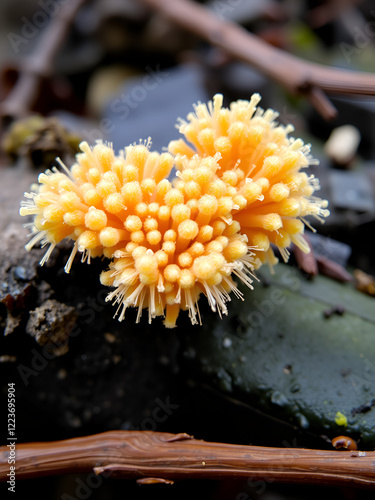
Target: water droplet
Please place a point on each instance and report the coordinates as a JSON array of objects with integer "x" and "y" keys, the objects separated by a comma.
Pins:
[
  {"x": 278, "y": 398},
  {"x": 20, "y": 273},
  {"x": 227, "y": 342},
  {"x": 302, "y": 421}
]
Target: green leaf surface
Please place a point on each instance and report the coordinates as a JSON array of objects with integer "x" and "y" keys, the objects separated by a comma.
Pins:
[{"x": 279, "y": 352}]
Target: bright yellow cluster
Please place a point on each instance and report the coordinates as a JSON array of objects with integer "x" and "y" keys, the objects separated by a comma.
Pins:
[
  {"x": 263, "y": 164},
  {"x": 237, "y": 190}
]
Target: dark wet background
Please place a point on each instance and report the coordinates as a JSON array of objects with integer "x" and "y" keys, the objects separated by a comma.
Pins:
[{"x": 125, "y": 74}]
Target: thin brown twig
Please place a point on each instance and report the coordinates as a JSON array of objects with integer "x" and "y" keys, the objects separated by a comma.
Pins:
[
  {"x": 321, "y": 103},
  {"x": 37, "y": 67},
  {"x": 333, "y": 269},
  {"x": 306, "y": 261},
  {"x": 298, "y": 76},
  {"x": 154, "y": 456}
]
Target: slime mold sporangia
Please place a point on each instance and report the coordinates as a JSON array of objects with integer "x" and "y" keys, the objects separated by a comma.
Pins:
[
  {"x": 168, "y": 244},
  {"x": 263, "y": 164},
  {"x": 238, "y": 191}
]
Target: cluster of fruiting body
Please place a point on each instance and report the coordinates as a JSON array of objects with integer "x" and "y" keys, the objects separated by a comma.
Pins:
[
  {"x": 263, "y": 164},
  {"x": 238, "y": 190},
  {"x": 185, "y": 244},
  {"x": 91, "y": 203},
  {"x": 168, "y": 242}
]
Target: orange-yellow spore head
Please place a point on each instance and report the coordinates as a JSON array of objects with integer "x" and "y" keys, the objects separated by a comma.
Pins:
[
  {"x": 93, "y": 202},
  {"x": 263, "y": 163},
  {"x": 169, "y": 242},
  {"x": 239, "y": 189},
  {"x": 184, "y": 252}
]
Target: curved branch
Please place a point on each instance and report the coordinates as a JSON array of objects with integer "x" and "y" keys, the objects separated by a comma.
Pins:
[
  {"x": 39, "y": 65},
  {"x": 296, "y": 75},
  {"x": 162, "y": 457}
]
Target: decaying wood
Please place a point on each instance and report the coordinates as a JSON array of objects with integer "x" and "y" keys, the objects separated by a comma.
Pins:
[
  {"x": 163, "y": 457},
  {"x": 298, "y": 76}
]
